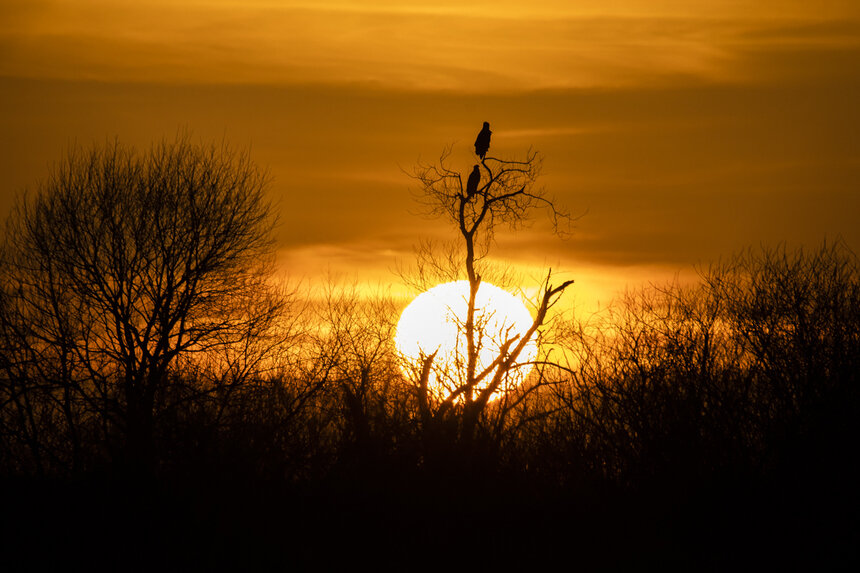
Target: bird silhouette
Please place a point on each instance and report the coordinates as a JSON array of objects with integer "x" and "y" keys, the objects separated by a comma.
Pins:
[
  {"x": 482, "y": 144},
  {"x": 474, "y": 180}
]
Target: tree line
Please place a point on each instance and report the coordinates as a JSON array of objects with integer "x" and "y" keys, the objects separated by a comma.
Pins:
[{"x": 144, "y": 340}]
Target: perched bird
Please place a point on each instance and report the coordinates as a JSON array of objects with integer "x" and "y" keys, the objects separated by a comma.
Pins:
[
  {"x": 482, "y": 144},
  {"x": 474, "y": 180}
]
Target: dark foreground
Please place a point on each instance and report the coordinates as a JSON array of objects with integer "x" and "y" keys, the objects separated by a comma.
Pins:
[{"x": 420, "y": 523}]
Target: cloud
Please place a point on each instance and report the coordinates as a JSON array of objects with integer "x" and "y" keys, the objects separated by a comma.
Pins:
[
  {"x": 682, "y": 137},
  {"x": 420, "y": 46}
]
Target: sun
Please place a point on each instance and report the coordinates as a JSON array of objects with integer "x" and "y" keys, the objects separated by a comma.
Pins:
[{"x": 435, "y": 322}]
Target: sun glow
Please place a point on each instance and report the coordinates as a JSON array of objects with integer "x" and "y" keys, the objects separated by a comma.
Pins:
[{"x": 435, "y": 321}]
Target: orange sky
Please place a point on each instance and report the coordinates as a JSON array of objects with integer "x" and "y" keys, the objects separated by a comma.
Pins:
[{"x": 684, "y": 132}]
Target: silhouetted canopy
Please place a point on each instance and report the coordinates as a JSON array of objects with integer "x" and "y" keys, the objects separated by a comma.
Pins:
[
  {"x": 474, "y": 180},
  {"x": 482, "y": 144}
]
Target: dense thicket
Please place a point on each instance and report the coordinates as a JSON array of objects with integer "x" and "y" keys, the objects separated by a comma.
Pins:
[{"x": 735, "y": 397}]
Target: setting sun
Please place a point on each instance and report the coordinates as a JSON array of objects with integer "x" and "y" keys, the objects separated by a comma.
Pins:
[{"x": 435, "y": 322}]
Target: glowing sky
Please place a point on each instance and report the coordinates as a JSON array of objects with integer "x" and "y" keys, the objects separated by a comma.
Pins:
[{"x": 684, "y": 130}]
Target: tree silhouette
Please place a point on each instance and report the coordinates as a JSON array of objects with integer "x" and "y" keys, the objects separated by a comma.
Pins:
[
  {"x": 122, "y": 265},
  {"x": 505, "y": 197},
  {"x": 139, "y": 331},
  {"x": 749, "y": 374}
]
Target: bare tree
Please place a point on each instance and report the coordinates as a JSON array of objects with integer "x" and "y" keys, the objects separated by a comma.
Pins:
[
  {"x": 505, "y": 196},
  {"x": 352, "y": 338},
  {"x": 121, "y": 264},
  {"x": 751, "y": 370}
]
